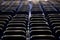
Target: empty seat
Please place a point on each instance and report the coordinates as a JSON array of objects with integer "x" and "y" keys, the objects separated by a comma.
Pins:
[
  {"x": 2, "y": 22},
  {"x": 16, "y": 28},
  {"x": 42, "y": 37},
  {"x": 13, "y": 37},
  {"x": 14, "y": 32},
  {"x": 39, "y": 27},
  {"x": 16, "y": 24},
  {"x": 41, "y": 32},
  {"x": 38, "y": 24},
  {"x": 19, "y": 19}
]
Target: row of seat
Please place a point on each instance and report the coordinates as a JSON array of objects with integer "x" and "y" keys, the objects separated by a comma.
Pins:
[
  {"x": 16, "y": 29},
  {"x": 13, "y": 6},
  {"x": 9, "y": 6},
  {"x": 38, "y": 25},
  {"x": 39, "y": 29},
  {"x": 4, "y": 19},
  {"x": 55, "y": 22},
  {"x": 56, "y": 5},
  {"x": 48, "y": 7}
]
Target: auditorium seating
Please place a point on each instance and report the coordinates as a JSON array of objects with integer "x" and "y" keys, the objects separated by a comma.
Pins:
[
  {"x": 16, "y": 29},
  {"x": 55, "y": 22},
  {"x": 39, "y": 28},
  {"x": 19, "y": 22}
]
